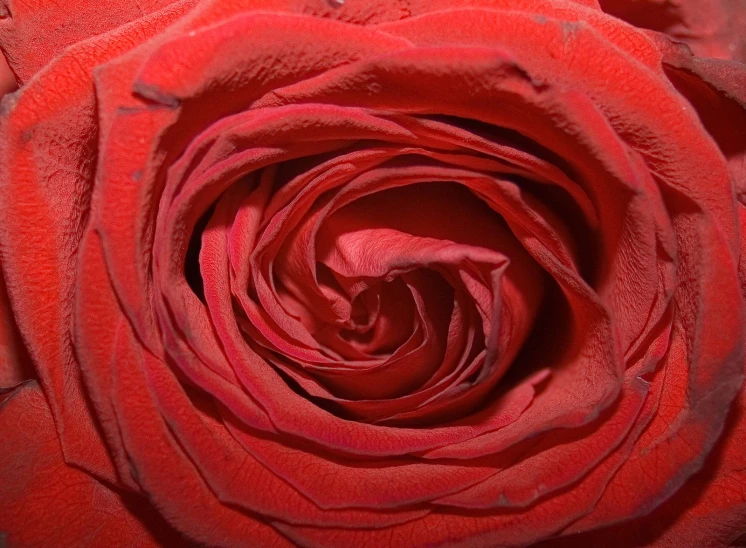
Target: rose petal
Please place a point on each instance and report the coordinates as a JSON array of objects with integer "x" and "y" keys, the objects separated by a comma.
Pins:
[
  {"x": 238, "y": 478},
  {"x": 712, "y": 28},
  {"x": 46, "y": 175},
  {"x": 501, "y": 530},
  {"x": 563, "y": 457},
  {"x": 140, "y": 129},
  {"x": 47, "y": 502},
  {"x": 163, "y": 469},
  {"x": 33, "y": 32},
  {"x": 708, "y": 511},
  {"x": 715, "y": 89}
]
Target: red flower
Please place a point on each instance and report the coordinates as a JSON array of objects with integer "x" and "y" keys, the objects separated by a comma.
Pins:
[{"x": 384, "y": 273}]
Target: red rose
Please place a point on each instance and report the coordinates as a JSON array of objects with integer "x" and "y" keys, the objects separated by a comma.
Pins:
[{"x": 393, "y": 273}]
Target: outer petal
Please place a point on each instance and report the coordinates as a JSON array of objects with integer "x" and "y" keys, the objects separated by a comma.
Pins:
[
  {"x": 45, "y": 502},
  {"x": 47, "y": 149},
  {"x": 359, "y": 13},
  {"x": 33, "y": 32},
  {"x": 717, "y": 91},
  {"x": 496, "y": 530},
  {"x": 150, "y": 456},
  {"x": 712, "y": 28},
  {"x": 708, "y": 512}
]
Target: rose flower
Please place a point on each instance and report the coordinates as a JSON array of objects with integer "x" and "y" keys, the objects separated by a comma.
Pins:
[{"x": 385, "y": 273}]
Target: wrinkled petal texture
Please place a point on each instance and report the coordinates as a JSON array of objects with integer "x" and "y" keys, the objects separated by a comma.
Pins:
[
  {"x": 56, "y": 503},
  {"x": 712, "y": 28},
  {"x": 388, "y": 273}
]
